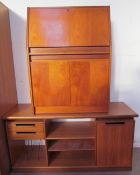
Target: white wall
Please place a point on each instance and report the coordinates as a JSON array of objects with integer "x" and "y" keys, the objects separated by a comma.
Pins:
[{"x": 125, "y": 17}]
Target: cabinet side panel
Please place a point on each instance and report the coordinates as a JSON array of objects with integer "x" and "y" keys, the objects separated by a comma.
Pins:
[
  {"x": 4, "y": 155},
  {"x": 8, "y": 96}
]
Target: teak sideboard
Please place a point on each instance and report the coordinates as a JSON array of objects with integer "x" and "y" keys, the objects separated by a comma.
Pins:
[
  {"x": 69, "y": 60},
  {"x": 98, "y": 141}
]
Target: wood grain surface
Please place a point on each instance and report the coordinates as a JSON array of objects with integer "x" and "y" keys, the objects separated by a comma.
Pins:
[
  {"x": 115, "y": 143},
  {"x": 69, "y": 26},
  {"x": 70, "y": 84},
  {"x": 8, "y": 96}
]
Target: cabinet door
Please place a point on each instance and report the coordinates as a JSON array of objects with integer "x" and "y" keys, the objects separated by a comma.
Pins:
[
  {"x": 69, "y": 26},
  {"x": 89, "y": 80},
  {"x": 115, "y": 143},
  {"x": 50, "y": 82},
  {"x": 70, "y": 83}
]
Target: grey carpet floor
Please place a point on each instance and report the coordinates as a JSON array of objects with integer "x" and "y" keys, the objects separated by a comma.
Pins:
[{"x": 135, "y": 170}]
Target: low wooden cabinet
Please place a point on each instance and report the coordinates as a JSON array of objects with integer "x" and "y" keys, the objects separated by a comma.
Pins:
[{"x": 48, "y": 143}]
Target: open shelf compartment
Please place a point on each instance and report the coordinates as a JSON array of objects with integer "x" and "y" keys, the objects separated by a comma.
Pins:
[
  {"x": 67, "y": 144},
  {"x": 72, "y": 158},
  {"x": 71, "y": 145},
  {"x": 71, "y": 130},
  {"x": 28, "y": 156}
]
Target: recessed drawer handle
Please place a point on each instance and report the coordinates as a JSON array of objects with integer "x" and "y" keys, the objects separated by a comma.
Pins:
[
  {"x": 25, "y": 132},
  {"x": 25, "y": 124},
  {"x": 115, "y": 123}
]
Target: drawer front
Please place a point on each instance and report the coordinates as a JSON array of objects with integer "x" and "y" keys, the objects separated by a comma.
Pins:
[{"x": 26, "y": 130}]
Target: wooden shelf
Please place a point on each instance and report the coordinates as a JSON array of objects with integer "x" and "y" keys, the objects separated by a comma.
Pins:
[
  {"x": 72, "y": 159},
  {"x": 32, "y": 156},
  {"x": 71, "y": 145},
  {"x": 71, "y": 130}
]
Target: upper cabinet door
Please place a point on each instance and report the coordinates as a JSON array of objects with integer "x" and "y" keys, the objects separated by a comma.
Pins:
[
  {"x": 74, "y": 84},
  {"x": 62, "y": 27},
  {"x": 50, "y": 81},
  {"x": 89, "y": 80}
]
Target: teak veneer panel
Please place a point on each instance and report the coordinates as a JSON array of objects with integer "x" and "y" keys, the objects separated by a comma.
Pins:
[
  {"x": 89, "y": 82},
  {"x": 115, "y": 143},
  {"x": 69, "y": 26},
  {"x": 8, "y": 96},
  {"x": 50, "y": 80},
  {"x": 66, "y": 86},
  {"x": 116, "y": 110}
]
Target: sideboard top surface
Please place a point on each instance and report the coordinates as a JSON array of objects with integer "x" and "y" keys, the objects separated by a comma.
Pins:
[{"x": 116, "y": 110}]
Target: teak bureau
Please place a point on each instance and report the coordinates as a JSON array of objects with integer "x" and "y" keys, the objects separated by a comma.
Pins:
[
  {"x": 69, "y": 60},
  {"x": 69, "y": 55}
]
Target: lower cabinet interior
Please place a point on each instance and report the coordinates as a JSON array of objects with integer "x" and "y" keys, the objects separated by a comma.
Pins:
[{"x": 66, "y": 144}]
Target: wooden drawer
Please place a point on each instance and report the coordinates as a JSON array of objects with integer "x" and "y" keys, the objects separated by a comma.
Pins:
[{"x": 19, "y": 130}]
